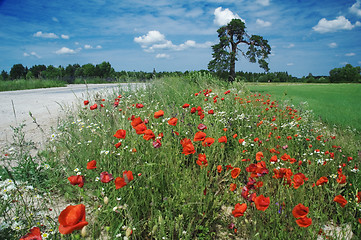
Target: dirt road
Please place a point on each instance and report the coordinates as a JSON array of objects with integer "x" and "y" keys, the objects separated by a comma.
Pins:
[{"x": 46, "y": 106}]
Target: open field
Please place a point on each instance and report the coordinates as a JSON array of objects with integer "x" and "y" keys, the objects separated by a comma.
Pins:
[
  {"x": 22, "y": 84},
  {"x": 190, "y": 158},
  {"x": 333, "y": 103}
]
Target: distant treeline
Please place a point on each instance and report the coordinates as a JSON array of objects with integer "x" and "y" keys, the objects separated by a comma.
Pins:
[{"x": 104, "y": 72}]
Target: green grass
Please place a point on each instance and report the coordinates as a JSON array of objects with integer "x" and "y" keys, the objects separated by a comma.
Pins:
[
  {"x": 23, "y": 84},
  {"x": 171, "y": 195},
  {"x": 333, "y": 103}
]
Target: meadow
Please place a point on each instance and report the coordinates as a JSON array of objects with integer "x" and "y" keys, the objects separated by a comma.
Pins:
[
  {"x": 335, "y": 104},
  {"x": 22, "y": 84},
  {"x": 187, "y": 158}
]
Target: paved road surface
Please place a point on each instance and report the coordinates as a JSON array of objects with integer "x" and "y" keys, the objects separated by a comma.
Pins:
[{"x": 46, "y": 106}]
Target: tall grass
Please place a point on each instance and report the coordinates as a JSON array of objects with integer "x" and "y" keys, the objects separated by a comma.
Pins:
[
  {"x": 22, "y": 84},
  {"x": 175, "y": 194}
]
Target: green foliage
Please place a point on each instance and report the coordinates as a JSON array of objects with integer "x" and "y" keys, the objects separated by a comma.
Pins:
[
  {"x": 22, "y": 84},
  {"x": 226, "y": 51},
  {"x": 345, "y": 74},
  {"x": 17, "y": 71}
]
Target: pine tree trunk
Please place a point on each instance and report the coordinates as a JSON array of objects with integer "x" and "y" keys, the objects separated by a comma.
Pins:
[{"x": 232, "y": 69}]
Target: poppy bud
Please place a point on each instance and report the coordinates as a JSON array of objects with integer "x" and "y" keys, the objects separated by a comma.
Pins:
[{"x": 83, "y": 232}]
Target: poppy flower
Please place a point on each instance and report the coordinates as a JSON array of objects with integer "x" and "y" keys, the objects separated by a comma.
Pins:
[
  {"x": 188, "y": 147},
  {"x": 341, "y": 200},
  {"x": 139, "y": 105},
  {"x": 95, "y": 106},
  {"x": 239, "y": 209},
  {"x": 232, "y": 187},
  {"x": 117, "y": 145},
  {"x": 201, "y": 126},
  {"x": 273, "y": 158},
  {"x": 193, "y": 110},
  {"x": 208, "y": 142},
  {"x": 140, "y": 129},
  {"x": 222, "y": 139},
  {"x": 173, "y": 121},
  {"x": 341, "y": 178},
  {"x": 148, "y": 134},
  {"x": 304, "y": 222},
  {"x": 136, "y": 121},
  {"x": 241, "y": 141},
  {"x": 185, "y": 105},
  {"x": 72, "y": 218},
  {"x": 199, "y": 136},
  {"x": 259, "y": 156},
  {"x": 120, "y": 134},
  {"x": 91, "y": 164},
  {"x": 86, "y": 102},
  {"x": 76, "y": 180},
  {"x": 158, "y": 114},
  {"x": 211, "y": 112},
  {"x": 321, "y": 181},
  {"x": 262, "y": 202},
  {"x": 285, "y": 157},
  {"x": 358, "y": 197},
  {"x": 202, "y": 161},
  {"x": 122, "y": 181},
  {"x": 298, "y": 180},
  {"x": 34, "y": 234},
  {"x": 157, "y": 143},
  {"x": 235, "y": 172},
  {"x": 300, "y": 211},
  {"x": 106, "y": 177},
  {"x": 219, "y": 168}
]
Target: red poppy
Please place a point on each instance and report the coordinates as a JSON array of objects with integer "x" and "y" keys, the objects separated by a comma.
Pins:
[
  {"x": 201, "y": 126},
  {"x": 140, "y": 128},
  {"x": 358, "y": 197},
  {"x": 121, "y": 182},
  {"x": 202, "y": 161},
  {"x": 341, "y": 178},
  {"x": 72, "y": 218},
  {"x": 211, "y": 112},
  {"x": 157, "y": 143},
  {"x": 91, "y": 164},
  {"x": 106, "y": 177},
  {"x": 285, "y": 157},
  {"x": 232, "y": 187},
  {"x": 321, "y": 181},
  {"x": 95, "y": 106},
  {"x": 158, "y": 114},
  {"x": 304, "y": 222},
  {"x": 273, "y": 159},
  {"x": 173, "y": 121},
  {"x": 139, "y": 105},
  {"x": 117, "y": 145},
  {"x": 188, "y": 147},
  {"x": 235, "y": 172},
  {"x": 259, "y": 156},
  {"x": 185, "y": 105},
  {"x": 219, "y": 168},
  {"x": 239, "y": 209},
  {"x": 341, "y": 200},
  {"x": 86, "y": 102},
  {"x": 208, "y": 142},
  {"x": 262, "y": 202},
  {"x": 136, "y": 121},
  {"x": 222, "y": 139},
  {"x": 241, "y": 141},
  {"x": 34, "y": 234},
  {"x": 193, "y": 110},
  {"x": 76, "y": 180},
  {"x": 148, "y": 134},
  {"x": 300, "y": 211},
  {"x": 298, "y": 180},
  {"x": 199, "y": 136},
  {"x": 120, "y": 133}
]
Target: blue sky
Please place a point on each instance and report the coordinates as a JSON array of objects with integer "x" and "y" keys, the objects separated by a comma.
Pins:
[{"x": 312, "y": 36}]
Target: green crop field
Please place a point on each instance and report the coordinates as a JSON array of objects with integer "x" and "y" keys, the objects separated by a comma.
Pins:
[{"x": 332, "y": 103}]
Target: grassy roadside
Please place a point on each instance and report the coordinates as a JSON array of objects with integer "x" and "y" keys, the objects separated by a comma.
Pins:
[
  {"x": 240, "y": 177},
  {"x": 23, "y": 84}
]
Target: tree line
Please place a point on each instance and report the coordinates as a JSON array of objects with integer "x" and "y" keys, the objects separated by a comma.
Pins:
[{"x": 106, "y": 72}]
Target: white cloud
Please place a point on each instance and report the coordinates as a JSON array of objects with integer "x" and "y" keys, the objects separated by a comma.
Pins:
[
  {"x": 87, "y": 46},
  {"x": 154, "y": 40},
  {"x": 263, "y": 2},
  {"x": 290, "y": 64},
  {"x": 263, "y": 23},
  {"x": 291, "y": 45},
  {"x": 55, "y": 19},
  {"x": 350, "y": 54},
  {"x": 162, "y": 55},
  {"x": 340, "y": 23},
  {"x": 64, "y": 36},
  {"x": 65, "y": 50},
  {"x": 151, "y": 38},
  {"x": 223, "y": 17},
  {"x": 98, "y": 47},
  {"x": 332, "y": 45},
  {"x": 31, "y": 54},
  {"x": 356, "y": 8},
  {"x": 45, "y": 35}
]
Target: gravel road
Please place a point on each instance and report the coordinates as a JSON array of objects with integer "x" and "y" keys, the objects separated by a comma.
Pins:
[{"x": 46, "y": 106}]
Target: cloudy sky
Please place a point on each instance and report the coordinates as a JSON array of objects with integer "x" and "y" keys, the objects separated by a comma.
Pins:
[{"x": 311, "y": 36}]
